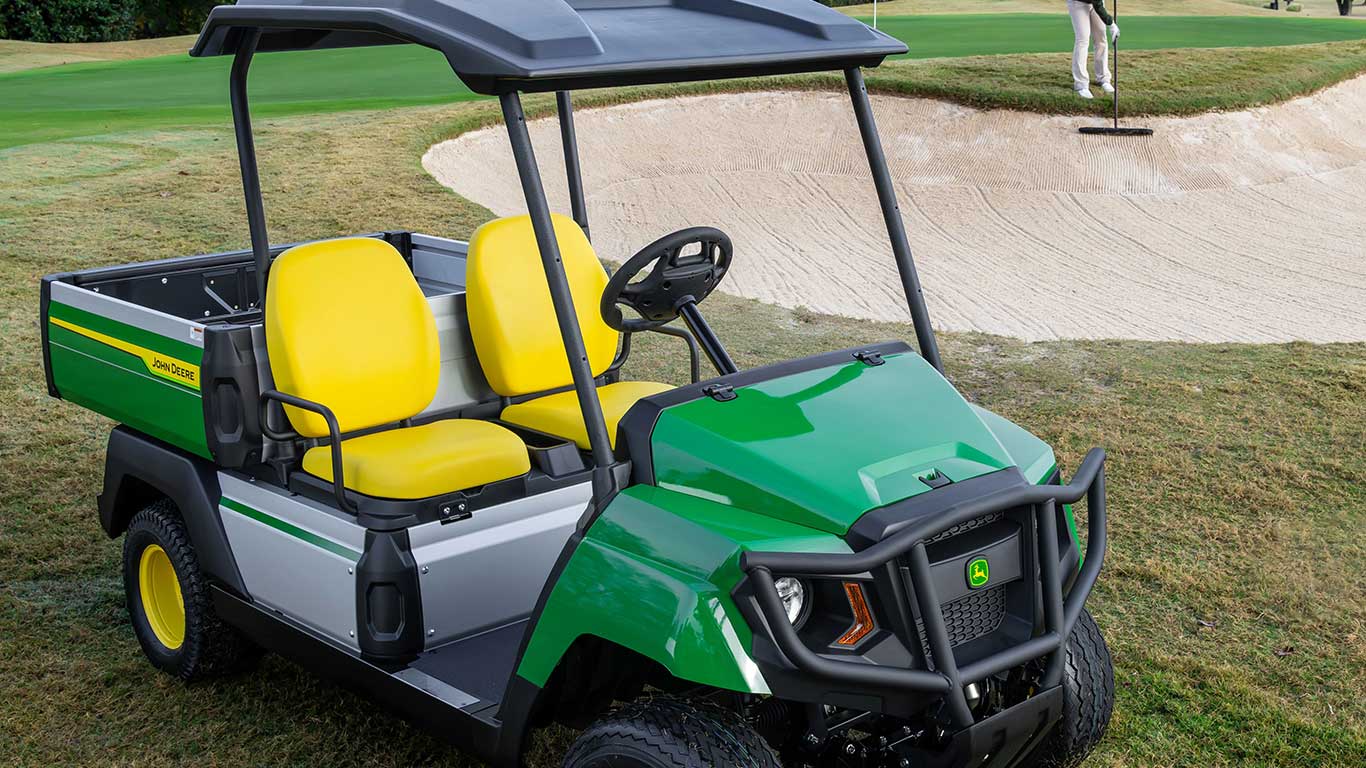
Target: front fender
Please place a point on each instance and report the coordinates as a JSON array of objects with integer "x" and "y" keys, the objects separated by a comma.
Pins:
[{"x": 654, "y": 574}]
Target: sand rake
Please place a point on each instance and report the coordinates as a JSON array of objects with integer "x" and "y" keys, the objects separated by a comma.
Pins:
[{"x": 1116, "y": 129}]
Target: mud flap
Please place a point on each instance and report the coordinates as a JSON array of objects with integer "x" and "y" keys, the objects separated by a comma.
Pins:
[{"x": 1004, "y": 739}]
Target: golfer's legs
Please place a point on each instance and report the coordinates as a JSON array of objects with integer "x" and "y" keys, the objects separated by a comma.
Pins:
[
  {"x": 1081, "y": 30},
  {"x": 1102, "y": 48}
]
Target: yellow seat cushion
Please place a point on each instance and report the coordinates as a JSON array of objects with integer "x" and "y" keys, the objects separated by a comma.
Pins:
[
  {"x": 559, "y": 414},
  {"x": 512, "y": 319},
  {"x": 430, "y": 460},
  {"x": 347, "y": 326}
]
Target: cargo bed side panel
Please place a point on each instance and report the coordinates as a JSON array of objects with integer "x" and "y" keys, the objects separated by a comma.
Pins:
[{"x": 137, "y": 366}]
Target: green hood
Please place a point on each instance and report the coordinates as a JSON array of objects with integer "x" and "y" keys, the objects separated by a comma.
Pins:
[{"x": 822, "y": 447}]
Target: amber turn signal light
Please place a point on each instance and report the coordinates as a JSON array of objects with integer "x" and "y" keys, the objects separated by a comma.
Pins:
[{"x": 863, "y": 617}]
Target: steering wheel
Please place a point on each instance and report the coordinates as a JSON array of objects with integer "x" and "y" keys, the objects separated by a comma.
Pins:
[{"x": 676, "y": 278}]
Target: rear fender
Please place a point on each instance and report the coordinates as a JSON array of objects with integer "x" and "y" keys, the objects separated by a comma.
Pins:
[
  {"x": 139, "y": 469},
  {"x": 654, "y": 575}
]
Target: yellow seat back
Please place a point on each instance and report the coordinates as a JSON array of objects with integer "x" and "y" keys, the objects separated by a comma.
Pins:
[
  {"x": 347, "y": 326},
  {"x": 512, "y": 319}
]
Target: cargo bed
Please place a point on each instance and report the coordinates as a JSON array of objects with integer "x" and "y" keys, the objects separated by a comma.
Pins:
[{"x": 175, "y": 348}]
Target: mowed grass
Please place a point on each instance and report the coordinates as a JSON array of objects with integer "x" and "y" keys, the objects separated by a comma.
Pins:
[
  {"x": 17, "y": 55},
  {"x": 91, "y": 99},
  {"x": 175, "y": 91},
  {"x": 1232, "y": 595}
]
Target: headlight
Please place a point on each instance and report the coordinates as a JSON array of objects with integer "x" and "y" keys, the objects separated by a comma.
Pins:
[{"x": 793, "y": 594}]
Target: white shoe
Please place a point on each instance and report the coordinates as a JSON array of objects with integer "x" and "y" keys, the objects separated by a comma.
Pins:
[
  {"x": 1107, "y": 87},
  {"x": 1085, "y": 93}
]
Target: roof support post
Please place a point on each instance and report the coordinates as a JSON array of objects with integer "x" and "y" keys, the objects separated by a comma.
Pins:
[
  {"x": 560, "y": 296},
  {"x": 891, "y": 213},
  {"x": 246, "y": 156},
  {"x": 572, "y": 170}
]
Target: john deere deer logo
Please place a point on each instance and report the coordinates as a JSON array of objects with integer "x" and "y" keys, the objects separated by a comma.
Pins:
[{"x": 979, "y": 573}]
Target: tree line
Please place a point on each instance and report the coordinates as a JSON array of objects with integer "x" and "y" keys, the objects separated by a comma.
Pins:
[{"x": 89, "y": 21}]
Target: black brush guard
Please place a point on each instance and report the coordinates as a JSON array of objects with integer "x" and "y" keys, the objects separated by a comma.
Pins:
[{"x": 1059, "y": 613}]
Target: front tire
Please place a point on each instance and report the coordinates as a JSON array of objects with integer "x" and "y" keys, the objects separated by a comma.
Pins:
[
  {"x": 168, "y": 600},
  {"x": 665, "y": 732},
  {"x": 1088, "y": 683}
]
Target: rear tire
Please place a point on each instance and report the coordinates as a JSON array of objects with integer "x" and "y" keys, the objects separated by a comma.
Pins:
[
  {"x": 169, "y": 602},
  {"x": 665, "y": 732},
  {"x": 1088, "y": 683}
]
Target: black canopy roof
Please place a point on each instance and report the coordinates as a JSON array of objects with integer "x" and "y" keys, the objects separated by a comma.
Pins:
[{"x": 541, "y": 45}]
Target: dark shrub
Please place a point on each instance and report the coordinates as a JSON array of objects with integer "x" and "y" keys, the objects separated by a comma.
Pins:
[
  {"x": 88, "y": 21},
  {"x": 67, "y": 21},
  {"x": 162, "y": 18}
]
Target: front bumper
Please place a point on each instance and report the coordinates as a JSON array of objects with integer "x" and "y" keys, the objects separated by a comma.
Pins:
[
  {"x": 1005, "y": 737},
  {"x": 941, "y": 673}
]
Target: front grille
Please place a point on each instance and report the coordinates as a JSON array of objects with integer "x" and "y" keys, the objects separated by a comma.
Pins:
[
  {"x": 975, "y": 614},
  {"x": 964, "y": 527},
  {"x": 970, "y": 617}
]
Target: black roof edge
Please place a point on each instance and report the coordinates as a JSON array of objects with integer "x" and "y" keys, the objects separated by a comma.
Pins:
[{"x": 496, "y": 86}]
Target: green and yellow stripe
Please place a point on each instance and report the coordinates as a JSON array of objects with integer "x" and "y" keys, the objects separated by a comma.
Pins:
[
  {"x": 163, "y": 357},
  {"x": 165, "y": 366},
  {"x": 130, "y": 374}
]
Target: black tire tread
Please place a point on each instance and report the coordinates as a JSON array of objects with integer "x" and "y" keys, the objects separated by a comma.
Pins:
[
  {"x": 211, "y": 647},
  {"x": 1089, "y": 698},
  {"x": 668, "y": 732}
]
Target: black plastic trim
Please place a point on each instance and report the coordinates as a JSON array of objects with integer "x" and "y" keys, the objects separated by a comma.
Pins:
[
  {"x": 191, "y": 483},
  {"x": 501, "y": 85},
  {"x": 44, "y": 301},
  {"x": 881, "y": 523},
  {"x": 388, "y": 599},
  {"x": 1003, "y": 740},
  {"x": 231, "y": 390}
]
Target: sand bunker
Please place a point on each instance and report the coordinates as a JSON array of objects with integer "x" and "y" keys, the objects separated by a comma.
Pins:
[{"x": 1247, "y": 226}]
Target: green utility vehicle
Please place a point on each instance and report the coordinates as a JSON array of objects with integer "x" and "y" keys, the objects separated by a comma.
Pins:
[{"x": 413, "y": 464}]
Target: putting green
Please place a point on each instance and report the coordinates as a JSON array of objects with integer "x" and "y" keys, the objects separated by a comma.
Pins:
[{"x": 169, "y": 91}]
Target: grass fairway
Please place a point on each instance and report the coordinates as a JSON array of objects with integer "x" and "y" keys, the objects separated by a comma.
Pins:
[
  {"x": 1163, "y": 82},
  {"x": 932, "y": 37},
  {"x": 88, "y": 99},
  {"x": 1128, "y": 8},
  {"x": 1231, "y": 597},
  {"x": 115, "y": 96},
  {"x": 17, "y": 55}
]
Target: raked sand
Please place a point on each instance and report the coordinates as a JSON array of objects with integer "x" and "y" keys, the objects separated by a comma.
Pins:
[{"x": 1246, "y": 226}]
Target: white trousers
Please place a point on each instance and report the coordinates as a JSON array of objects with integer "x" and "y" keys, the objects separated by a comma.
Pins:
[{"x": 1086, "y": 24}]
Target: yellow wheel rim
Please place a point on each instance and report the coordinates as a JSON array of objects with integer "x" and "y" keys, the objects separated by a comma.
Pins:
[{"x": 161, "y": 600}]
